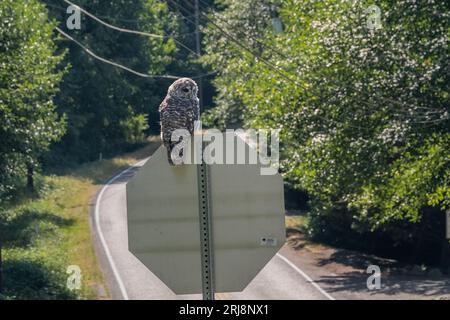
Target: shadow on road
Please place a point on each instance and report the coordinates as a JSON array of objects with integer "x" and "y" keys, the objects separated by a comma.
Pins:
[
  {"x": 390, "y": 285},
  {"x": 395, "y": 280},
  {"x": 358, "y": 260}
]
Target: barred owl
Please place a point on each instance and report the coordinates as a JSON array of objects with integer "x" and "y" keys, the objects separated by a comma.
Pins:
[{"x": 179, "y": 110}]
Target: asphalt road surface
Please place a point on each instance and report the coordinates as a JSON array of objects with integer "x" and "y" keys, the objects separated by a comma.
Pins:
[{"x": 128, "y": 278}]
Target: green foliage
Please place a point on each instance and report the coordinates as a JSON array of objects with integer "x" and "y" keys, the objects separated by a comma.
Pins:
[
  {"x": 33, "y": 249},
  {"x": 29, "y": 79},
  {"x": 57, "y": 98},
  {"x": 409, "y": 183},
  {"x": 247, "y": 20},
  {"x": 364, "y": 113},
  {"x": 134, "y": 128},
  {"x": 185, "y": 62},
  {"x": 103, "y": 102},
  {"x": 34, "y": 278}
]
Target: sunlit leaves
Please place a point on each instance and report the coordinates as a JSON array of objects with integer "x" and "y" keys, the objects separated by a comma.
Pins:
[
  {"x": 29, "y": 76},
  {"x": 365, "y": 116}
]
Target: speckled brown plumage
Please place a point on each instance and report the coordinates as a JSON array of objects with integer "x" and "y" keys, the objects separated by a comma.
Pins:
[{"x": 179, "y": 110}]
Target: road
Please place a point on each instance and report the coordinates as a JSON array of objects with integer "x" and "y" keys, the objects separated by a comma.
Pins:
[{"x": 128, "y": 278}]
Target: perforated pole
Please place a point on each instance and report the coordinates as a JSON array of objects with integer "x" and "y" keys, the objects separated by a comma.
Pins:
[{"x": 206, "y": 245}]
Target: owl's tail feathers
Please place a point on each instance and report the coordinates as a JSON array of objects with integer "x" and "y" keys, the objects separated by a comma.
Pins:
[
  {"x": 169, "y": 156},
  {"x": 179, "y": 151}
]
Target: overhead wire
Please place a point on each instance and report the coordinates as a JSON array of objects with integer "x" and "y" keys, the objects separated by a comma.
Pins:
[
  {"x": 230, "y": 37},
  {"x": 126, "y": 30},
  {"x": 237, "y": 42},
  {"x": 118, "y": 65},
  {"x": 270, "y": 65},
  {"x": 178, "y": 35}
]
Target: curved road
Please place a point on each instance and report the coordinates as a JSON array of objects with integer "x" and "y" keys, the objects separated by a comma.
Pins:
[{"x": 128, "y": 278}]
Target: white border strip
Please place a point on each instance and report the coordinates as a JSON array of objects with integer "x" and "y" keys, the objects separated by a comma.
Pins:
[
  {"x": 116, "y": 274},
  {"x": 304, "y": 275}
]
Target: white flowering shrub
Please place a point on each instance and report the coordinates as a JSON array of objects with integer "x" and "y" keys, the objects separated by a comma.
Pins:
[{"x": 364, "y": 111}]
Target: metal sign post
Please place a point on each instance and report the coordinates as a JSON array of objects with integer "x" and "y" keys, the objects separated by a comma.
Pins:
[
  {"x": 205, "y": 228},
  {"x": 206, "y": 246}
]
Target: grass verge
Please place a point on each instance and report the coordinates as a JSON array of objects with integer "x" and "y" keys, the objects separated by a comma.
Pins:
[{"x": 297, "y": 222}]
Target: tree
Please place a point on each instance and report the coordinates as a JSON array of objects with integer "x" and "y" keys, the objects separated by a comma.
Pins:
[
  {"x": 249, "y": 22},
  {"x": 364, "y": 111},
  {"x": 29, "y": 79},
  {"x": 185, "y": 62},
  {"x": 107, "y": 107}
]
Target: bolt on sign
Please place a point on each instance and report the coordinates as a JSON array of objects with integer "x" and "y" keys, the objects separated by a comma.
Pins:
[{"x": 205, "y": 228}]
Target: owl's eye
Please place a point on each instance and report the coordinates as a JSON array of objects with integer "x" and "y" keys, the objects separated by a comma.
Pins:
[{"x": 185, "y": 90}]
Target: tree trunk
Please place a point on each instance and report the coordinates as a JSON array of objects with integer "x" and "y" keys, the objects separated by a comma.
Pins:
[
  {"x": 30, "y": 177},
  {"x": 445, "y": 249},
  {"x": 445, "y": 255},
  {"x": 1, "y": 268},
  {"x": 419, "y": 243}
]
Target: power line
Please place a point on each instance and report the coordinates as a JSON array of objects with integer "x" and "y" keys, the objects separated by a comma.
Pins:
[
  {"x": 87, "y": 50},
  {"x": 266, "y": 62},
  {"x": 143, "y": 75},
  {"x": 271, "y": 66},
  {"x": 274, "y": 50},
  {"x": 185, "y": 17},
  {"x": 100, "y": 16},
  {"x": 178, "y": 35},
  {"x": 249, "y": 36},
  {"x": 281, "y": 72},
  {"x": 151, "y": 35}
]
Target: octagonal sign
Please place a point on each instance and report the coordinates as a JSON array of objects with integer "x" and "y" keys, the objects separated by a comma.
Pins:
[{"x": 247, "y": 220}]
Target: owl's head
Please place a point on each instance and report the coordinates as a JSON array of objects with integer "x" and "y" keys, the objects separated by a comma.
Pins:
[{"x": 184, "y": 88}]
